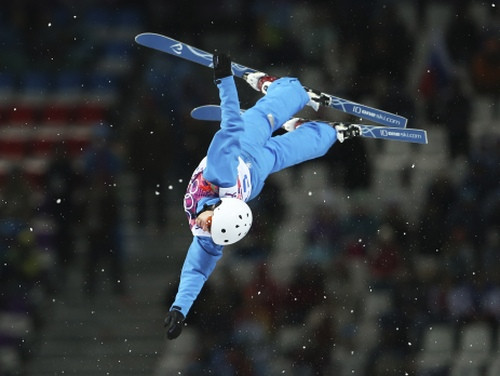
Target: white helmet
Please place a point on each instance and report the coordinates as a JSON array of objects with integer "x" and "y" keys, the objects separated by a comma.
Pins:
[{"x": 231, "y": 221}]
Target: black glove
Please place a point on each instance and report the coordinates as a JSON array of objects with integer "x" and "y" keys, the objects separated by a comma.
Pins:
[
  {"x": 222, "y": 66},
  {"x": 173, "y": 323}
]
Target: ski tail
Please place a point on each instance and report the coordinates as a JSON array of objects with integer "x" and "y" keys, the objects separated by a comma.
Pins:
[
  {"x": 212, "y": 112},
  {"x": 209, "y": 112}
]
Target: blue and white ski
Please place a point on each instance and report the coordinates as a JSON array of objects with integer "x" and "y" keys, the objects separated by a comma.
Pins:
[
  {"x": 173, "y": 47},
  {"x": 212, "y": 112}
]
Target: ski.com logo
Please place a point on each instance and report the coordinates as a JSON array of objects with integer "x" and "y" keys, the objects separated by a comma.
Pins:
[
  {"x": 362, "y": 112},
  {"x": 387, "y": 133}
]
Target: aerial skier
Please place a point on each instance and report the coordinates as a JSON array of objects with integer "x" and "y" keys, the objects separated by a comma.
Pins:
[{"x": 241, "y": 155}]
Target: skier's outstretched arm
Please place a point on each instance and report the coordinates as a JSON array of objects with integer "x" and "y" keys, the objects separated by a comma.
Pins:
[
  {"x": 221, "y": 170},
  {"x": 200, "y": 261},
  {"x": 223, "y": 152}
]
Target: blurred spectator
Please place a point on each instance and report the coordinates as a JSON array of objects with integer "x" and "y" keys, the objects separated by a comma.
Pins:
[
  {"x": 491, "y": 210},
  {"x": 17, "y": 198},
  {"x": 437, "y": 297},
  {"x": 387, "y": 37},
  {"x": 323, "y": 236},
  {"x": 26, "y": 267},
  {"x": 102, "y": 219},
  {"x": 385, "y": 257},
  {"x": 220, "y": 301},
  {"x": 465, "y": 213},
  {"x": 394, "y": 97},
  {"x": 258, "y": 245},
  {"x": 250, "y": 335},
  {"x": 431, "y": 230},
  {"x": 410, "y": 303},
  {"x": 318, "y": 340},
  {"x": 360, "y": 222},
  {"x": 489, "y": 260},
  {"x": 25, "y": 270},
  {"x": 61, "y": 184},
  {"x": 462, "y": 36},
  {"x": 458, "y": 254},
  {"x": 482, "y": 174},
  {"x": 435, "y": 78},
  {"x": 486, "y": 68},
  {"x": 270, "y": 210},
  {"x": 394, "y": 216},
  {"x": 306, "y": 290},
  {"x": 150, "y": 155},
  {"x": 390, "y": 357},
  {"x": 490, "y": 298},
  {"x": 460, "y": 300},
  {"x": 353, "y": 161},
  {"x": 264, "y": 298},
  {"x": 457, "y": 107}
]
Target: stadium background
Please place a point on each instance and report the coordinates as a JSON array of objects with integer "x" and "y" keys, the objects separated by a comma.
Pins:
[{"x": 380, "y": 259}]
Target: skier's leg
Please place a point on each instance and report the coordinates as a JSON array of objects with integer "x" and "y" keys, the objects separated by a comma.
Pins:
[
  {"x": 284, "y": 98},
  {"x": 344, "y": 130},
  {"x": 261, "y": 81},
  {"x": 310, "y": 141}
]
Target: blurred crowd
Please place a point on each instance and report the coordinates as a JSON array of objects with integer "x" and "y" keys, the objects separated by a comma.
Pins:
[{"x": 369, "y": 282}]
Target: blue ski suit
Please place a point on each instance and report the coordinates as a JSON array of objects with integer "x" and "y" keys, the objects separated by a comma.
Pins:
[{"x": 241, "y": 155}]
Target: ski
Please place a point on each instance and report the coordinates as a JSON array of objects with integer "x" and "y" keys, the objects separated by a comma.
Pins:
[
  {"x": 212, "y": 112},
  {"x": 173, "y": 47}
]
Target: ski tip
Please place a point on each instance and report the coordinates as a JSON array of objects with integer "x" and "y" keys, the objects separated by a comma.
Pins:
[
  {"x": 145, "y": 34},
  {"x": 140, "y": 36}
]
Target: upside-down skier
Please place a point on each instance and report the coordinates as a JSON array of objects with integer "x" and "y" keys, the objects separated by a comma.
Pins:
[{"x": 241, "y": 155}]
